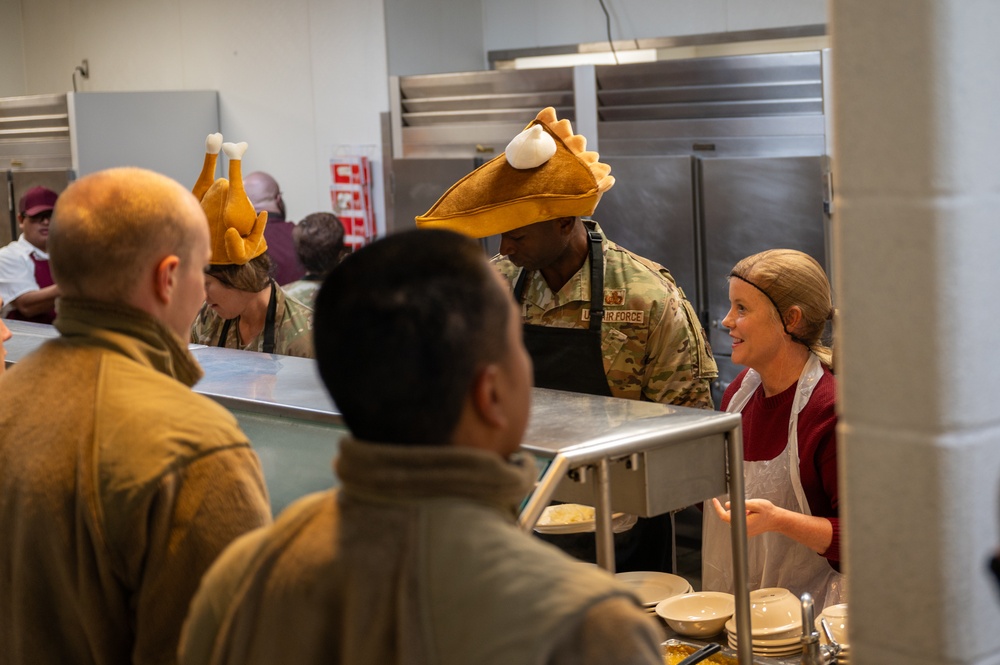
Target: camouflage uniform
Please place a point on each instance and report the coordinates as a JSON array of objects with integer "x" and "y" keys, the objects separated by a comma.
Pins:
[
  {"x": 292, "y": 329},
  {"x": 654, "y": 346},
  {"x": 303, "y": 290}
]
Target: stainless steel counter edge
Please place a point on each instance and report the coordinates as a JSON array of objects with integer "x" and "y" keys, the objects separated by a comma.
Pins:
[
  {"x": 260, "y": 383},
  {"x": 579, "y": 426}
]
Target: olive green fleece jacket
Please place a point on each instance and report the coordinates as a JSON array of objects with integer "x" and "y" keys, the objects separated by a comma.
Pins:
[
  {"x": 118, "y": 487},
  {"x": 416, "y": 561}
]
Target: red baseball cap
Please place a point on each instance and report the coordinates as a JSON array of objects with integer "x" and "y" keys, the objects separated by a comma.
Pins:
[{"x": 38, "y": 200}]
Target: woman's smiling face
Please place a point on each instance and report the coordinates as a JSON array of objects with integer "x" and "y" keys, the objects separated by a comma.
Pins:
[{"x": 753, "y": 325}]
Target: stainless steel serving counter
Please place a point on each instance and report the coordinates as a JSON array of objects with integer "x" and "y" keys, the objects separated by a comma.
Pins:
[
  {"x": 639, "y": 457},
  {"x": 278, "y": 401}
]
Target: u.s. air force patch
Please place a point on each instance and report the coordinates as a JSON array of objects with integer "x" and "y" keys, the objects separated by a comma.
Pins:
[{"x": 633, "y": 316}]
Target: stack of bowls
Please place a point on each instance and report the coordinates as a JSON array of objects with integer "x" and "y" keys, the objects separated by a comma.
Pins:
[
  {"x": 775, "y": 623},
  {"x": 836, "y": 619}
]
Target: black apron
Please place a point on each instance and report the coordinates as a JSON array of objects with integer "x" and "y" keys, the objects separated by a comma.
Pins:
[
  {"x": 272, "y": 311},
  {"x": 571, "y": 358},
  {"x": 43, "y": 277}
]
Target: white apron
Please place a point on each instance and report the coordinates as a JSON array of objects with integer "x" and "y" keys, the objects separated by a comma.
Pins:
[{"x": 775, "y": 560}]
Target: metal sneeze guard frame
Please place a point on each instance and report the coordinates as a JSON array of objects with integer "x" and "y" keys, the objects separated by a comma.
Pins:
[{"x": 596, "y": 456}]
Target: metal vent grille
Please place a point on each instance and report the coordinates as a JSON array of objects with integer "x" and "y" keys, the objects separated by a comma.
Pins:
[
  {"x": 449, "y": 115},
  {"x": 778, "y": 84},
  {"x": 497, "y": 96},
  {"x": 34, "y": 133}
]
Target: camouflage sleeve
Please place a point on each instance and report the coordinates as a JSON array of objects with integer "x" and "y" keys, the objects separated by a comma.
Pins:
[
  {"x": 205, "y": 329},
  {"x": 680, "y": 365},
  {"x": 294, "y": 334},
  {"x": 299, "y": 344}
]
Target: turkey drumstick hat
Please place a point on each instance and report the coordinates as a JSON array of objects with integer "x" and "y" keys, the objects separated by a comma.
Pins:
[
  {"x": 237, "y": 230},
  {"x": 546, "y": 172}
]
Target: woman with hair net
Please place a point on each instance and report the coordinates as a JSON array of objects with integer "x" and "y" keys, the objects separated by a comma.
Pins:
[{"x": 779, "y": 306}]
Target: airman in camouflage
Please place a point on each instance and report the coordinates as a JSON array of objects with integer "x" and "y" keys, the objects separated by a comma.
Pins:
[
  {"x": 292, "y": 329},
  {"x": 654, "y": 347}
]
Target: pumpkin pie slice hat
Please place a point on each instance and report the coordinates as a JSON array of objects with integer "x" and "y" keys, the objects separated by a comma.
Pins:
[
  {"x": 545, "y": 172},
  {"x": 237, "y": 230}
]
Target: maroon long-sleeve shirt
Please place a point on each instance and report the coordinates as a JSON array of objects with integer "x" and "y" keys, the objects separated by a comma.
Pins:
[{"x": 765, "y": 434}]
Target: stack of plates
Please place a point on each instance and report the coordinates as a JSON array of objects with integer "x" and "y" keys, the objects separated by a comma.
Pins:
[
  {"x": 651, "y": 587},
  {"x": 775, "y": 624},
  {"x": 771, "y": 648}
]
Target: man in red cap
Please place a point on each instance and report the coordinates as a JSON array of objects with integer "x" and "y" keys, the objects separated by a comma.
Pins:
[{"x": 26, "y": 286}]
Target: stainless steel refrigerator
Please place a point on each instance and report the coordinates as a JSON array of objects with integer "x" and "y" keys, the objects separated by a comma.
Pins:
[
  {"x": 714, "y": 158},
  {"x": 698, "y": 216}
]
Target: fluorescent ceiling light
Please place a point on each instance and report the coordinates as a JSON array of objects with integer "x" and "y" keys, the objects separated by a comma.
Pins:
[{"x": 597, "y": 58}]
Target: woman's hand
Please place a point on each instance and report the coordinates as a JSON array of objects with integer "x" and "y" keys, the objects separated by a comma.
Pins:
[
  {"x": 762, "y": 515},
  {"x": 816, "y": 533}
]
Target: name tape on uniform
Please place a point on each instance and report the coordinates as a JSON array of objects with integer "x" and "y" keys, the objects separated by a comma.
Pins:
[{"x": 636, "y": 316}]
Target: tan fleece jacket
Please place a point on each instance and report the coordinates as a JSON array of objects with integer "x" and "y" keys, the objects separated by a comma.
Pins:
[
  {"x": 118, "y": 487},
  {"x": 416, "y": 561}
]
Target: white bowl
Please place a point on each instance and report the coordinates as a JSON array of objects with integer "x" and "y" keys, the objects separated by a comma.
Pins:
[
  {"x": 836, "y": 618},
  {"x": 774, "y": 613},
  {"x": 700, "y": 614}
]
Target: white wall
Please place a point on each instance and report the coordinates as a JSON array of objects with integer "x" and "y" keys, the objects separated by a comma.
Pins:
[
  {"x": 295, "y": 78},
  {"x": 434, "y": 36},
  {"x": 515, "y": 24},
  {"x": 11, "y": 50}
]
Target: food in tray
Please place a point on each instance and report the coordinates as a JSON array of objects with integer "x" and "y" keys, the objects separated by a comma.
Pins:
[
  {"x": 566, "y": 513},
  {"x": 566, "y": 518},
  {"x": 675, "y": 651}
]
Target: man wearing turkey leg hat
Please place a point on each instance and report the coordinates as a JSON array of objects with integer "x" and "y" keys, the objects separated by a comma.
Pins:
[{"x": 598, "y": 318}]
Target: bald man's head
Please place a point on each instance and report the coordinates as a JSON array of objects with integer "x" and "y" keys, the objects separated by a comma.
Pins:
[
  {"x": 110, "y": 228},
  {"x": 264, "y": 193}
]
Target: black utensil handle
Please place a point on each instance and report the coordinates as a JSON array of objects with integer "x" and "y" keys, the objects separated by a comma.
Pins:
[{"x": 701, "y": 654}]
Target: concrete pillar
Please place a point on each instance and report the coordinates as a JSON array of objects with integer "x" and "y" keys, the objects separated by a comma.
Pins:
[{"x": 916, "y": 88}]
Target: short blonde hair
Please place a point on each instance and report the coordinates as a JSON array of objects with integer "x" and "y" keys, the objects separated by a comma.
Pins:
[
  {"x": 790, "y": 278},
  {"x": 108, "y": 227}
]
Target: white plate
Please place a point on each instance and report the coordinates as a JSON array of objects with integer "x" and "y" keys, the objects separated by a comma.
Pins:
[
  {"x": 653, "y": 587},
  {"x": 770, "y": 651},
  {"x": 777, "y": 653},
  {"x": 777, "y": 632},
  {"x": 546, "y": 524},
  {"x": 763, "y": 642}
]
